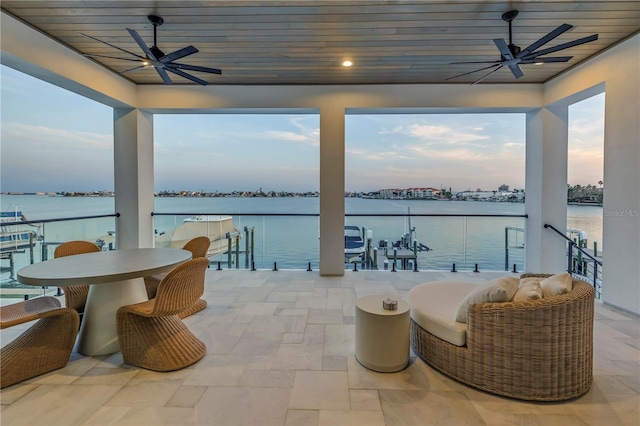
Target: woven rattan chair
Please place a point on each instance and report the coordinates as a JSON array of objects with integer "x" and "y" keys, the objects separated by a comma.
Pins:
[
  {"x": 538, "y": 350},
  {"x": 75, "y": 296},
  {"x": 43, "y": 347},
  {"x": 151, "y": 334},
  {"x": 198, "y": 247}
]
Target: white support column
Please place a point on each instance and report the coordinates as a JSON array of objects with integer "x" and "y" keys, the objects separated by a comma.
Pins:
[
  {"x": 621, "y": 206},
  {"x": 133, "y": 168},
  {"x": 546, "y": 188},
  {"x": 332, "y": 190}
]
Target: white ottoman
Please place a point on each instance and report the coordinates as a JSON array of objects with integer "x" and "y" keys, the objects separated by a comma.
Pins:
[{"x": 382, "y": 336}]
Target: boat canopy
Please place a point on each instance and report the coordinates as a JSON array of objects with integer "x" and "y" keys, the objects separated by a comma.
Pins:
[{"x": 214, "y": 227}]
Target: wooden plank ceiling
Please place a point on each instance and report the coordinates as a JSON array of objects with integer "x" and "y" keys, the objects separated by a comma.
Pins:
[{"x": 305, "y": 42}]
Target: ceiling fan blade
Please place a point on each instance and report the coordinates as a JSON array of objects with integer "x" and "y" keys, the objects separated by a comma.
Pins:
[
  {"x": 187, "y": 76},
  {"x": 503, "y": 48},
  {"x": 115, "y": 47},
  {"x": 475, "y": 62},
  {"x": 544, "y": 40},
  {"x": 487, "y": 75},
  {"x": 90, "y": 55},
  {"x": 546, "y": 60},
  {"x": 186, "y": 51},
  {"x": 132, "y": 69},
  {"x": 163, "y": 74},
  {"x": 142, "y": 45},
  {"x": 562, "y": 46},
  {"x": 471, "y": 72},
  {"x": 516, "y": 71},
  {"x": 193, "y": 68}
]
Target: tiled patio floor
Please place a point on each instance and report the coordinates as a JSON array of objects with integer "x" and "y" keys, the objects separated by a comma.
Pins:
[{"x": 281, "y": 352}]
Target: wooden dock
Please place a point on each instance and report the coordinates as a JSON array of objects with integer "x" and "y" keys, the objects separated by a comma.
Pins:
[{"x": 403, "y": 255}]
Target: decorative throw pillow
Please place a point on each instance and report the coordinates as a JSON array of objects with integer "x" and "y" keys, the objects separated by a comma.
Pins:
[
  {"x": 498, "y": 290},
  {"x": 557, "y": 284},
  {"x": 529, "y": 289}
]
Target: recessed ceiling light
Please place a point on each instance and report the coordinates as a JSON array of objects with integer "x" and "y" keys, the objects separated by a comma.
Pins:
[
  {"x": 347, "y": 63},
  {"x": 538, "y": 63}
]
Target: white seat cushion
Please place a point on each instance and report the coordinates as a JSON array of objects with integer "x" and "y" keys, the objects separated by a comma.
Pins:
[{"x": 434, "y": 306}]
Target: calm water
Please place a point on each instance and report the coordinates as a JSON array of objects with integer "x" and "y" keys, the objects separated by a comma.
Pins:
[{"x": 293, "y": 241}]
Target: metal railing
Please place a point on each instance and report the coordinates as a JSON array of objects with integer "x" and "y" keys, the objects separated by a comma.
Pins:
[
  {"x": 403, "y": 241},
  {"x": 460, "y": 244},
  {"x": 50, "y": 233},
  {"x": 513, "y": 240},
  {"x": 581, "y": 263}
]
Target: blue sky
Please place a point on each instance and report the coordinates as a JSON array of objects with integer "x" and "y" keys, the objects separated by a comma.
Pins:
[{"x": 55, "y": 140}]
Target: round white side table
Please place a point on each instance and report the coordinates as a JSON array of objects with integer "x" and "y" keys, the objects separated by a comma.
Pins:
[{"x": 382, "y": 336}]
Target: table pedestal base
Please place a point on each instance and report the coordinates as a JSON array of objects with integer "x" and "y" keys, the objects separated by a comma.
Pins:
[{"x": 98, "y": 334}]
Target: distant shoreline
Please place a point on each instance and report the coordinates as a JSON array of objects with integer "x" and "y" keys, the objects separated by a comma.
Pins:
[{"x": 273, "y": 194}]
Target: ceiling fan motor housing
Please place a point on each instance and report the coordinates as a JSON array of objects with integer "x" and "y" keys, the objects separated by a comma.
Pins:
[{"x": 156, "y": 52}]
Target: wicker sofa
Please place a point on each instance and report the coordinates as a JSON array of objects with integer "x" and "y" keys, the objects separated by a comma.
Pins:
[{"x": 540, "y": 350}]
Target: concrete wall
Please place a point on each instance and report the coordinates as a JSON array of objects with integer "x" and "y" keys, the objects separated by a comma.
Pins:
[
  {"x": 35, "y": 54},
  {"x": 618, "y": 71}
]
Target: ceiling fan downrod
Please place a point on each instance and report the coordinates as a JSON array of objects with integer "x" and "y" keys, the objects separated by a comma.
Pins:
[
  {"x": 509, "y": 17},
  {"x": 156, "y": 21}
]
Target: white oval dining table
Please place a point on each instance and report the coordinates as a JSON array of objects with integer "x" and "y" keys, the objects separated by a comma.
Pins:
[{"x": 115, "y": 279}]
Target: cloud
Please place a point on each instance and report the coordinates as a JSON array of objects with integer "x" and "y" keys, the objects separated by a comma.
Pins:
[
  {"x": 513, "y": 145},
  {"x": 443, "y": 134},
  {"x": 385, "y": 155},
  {"x": 458, "y": 154},
  {"x": 305, "y": 134},
  {"x": 60, "y": 139},
  {"x": 290, "y": 137}
]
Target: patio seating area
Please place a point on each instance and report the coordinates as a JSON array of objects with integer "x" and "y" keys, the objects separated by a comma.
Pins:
[{"x": 281, "y": 351}]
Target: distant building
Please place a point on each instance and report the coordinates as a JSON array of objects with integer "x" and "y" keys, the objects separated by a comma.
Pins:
[
  {"x": 411, "y": 193},
  {"x": 503, "y": 188}
]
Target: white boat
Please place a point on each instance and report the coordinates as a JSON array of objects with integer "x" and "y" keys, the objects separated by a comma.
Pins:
[
  {"x": 214, "y": 227},
  {"x": 16, "y": 236},
  {"x": 353, "y": 242}
]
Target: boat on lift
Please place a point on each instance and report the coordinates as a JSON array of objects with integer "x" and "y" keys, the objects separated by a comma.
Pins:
[
  {"x": 213, "y": 226},
  {"x": 353, "y": 242},
  {"x": 15, "y": 236}
]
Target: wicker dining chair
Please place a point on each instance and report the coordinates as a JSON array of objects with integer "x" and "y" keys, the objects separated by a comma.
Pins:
[
  {"x": 45, "y": 346},
  {"x": 198, "y": 247},
  {"x": 151, "y": 334},
  {"x": 75, "y": 296}
]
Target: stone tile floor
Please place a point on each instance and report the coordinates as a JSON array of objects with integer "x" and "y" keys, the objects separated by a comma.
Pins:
[{"x": 281, "y": 352}]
